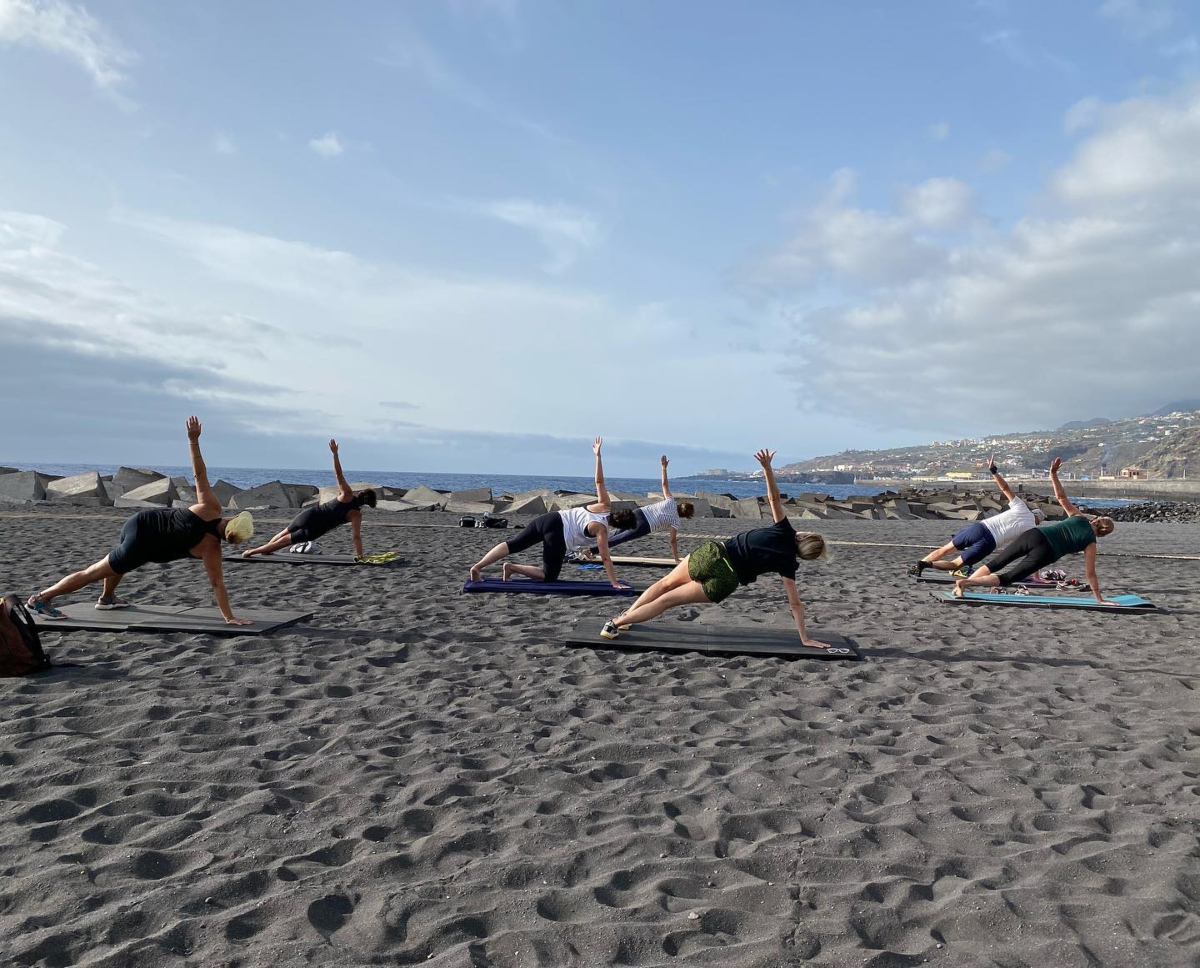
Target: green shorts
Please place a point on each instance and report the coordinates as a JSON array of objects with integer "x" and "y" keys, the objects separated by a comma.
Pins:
[{"x": 709, "y": 565}]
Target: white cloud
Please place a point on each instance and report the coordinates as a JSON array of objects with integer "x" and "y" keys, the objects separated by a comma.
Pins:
[
  {"x": 223, "y": 145},
  {"x": 563, "y": 230},
  {"x": 1141, "y": 18},
  {"x": 939, "y": 203},
  {"x": 67, "y": 30},
  {"x": 327, "y": 146},
  {"x": 1082, "y": 115},
  {"x": 995, "y": 160},
  {"x": 1090, "y": 307},
  {"x": 939, "y": 131}
]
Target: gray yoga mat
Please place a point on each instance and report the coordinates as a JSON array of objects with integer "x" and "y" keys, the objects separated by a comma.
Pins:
[
  {"x": 287, "y": 558},
  {"x": 83, "y": 616},
  {"x": 674, "y": 636}
]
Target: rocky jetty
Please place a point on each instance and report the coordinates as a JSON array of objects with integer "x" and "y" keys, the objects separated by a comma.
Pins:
[{"x": 1152, "y": 511}]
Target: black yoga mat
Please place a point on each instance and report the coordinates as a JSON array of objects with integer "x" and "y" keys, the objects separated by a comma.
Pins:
[
  {"x": 287, "y": 558},
  {"x": 673, "y": 636},
  {"x": 167, "y": 618}
]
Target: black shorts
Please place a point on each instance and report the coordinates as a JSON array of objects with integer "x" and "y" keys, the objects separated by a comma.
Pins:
[
  {"x": 129, "y": 552},
  {"x": 548, "y": 529},
  {"x": 1031, "y": 548}
]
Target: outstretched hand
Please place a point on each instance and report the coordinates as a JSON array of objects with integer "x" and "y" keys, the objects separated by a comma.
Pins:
[
  {"x": 193, "y": 428},
  {"x": 663, "y": 460},
  {"x": 333, "y": 446},
  {"x": 992, "y": 461},
  {"x": 239, "y": 621},
  {"x": 596, "y": 444},
  {"x": 764, "y": 457},
  {"x": 1055, "y": 465}
]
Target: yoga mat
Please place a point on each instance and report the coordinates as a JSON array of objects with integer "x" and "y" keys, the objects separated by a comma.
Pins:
[
  {"x": 527, "y": 585},
  {"x": 631, "y": 562},
  {"x": 1125, "y": 603},
  {"x": 946, "y": 578},
  {"x": 669, "y": 636},
  {"x": 167, "y": 618},
  {"x": 287, "y": 558}
]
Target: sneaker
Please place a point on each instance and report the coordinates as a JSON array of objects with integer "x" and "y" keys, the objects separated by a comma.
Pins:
[
  {"x": 916, "y": 569},
  {"x": 110, "y": 603},
  {"x": 610, "y": 630}
]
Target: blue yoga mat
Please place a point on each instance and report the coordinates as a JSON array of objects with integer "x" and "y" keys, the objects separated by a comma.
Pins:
[
  {"x": 1124, "y": 603},
  {"x": 514, "y": 585}
]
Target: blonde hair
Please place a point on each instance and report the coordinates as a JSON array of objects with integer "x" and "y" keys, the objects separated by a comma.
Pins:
[
  {"x": 240, "y": 528},
  {"x": 1104, "y": 525},
  {"x": 811, "y": 546}
]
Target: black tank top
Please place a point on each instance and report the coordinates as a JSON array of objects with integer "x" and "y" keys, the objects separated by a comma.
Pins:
[
  {"x": 171, "y": 534},
  {"x": 323, "y": 518}
]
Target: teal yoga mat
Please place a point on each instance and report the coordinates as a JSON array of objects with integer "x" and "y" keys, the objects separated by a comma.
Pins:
[{"x": 1124, "y": 603}]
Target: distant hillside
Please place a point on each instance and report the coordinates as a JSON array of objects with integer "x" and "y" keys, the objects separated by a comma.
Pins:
[
  {"x": 1177, "y": 456},
  {"x": 1080, "y": 424},
  {"x": 1179, "y": 406}
]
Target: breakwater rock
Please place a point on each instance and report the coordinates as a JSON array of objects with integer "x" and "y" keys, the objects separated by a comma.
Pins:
[{"x": 1152, "y": 511}]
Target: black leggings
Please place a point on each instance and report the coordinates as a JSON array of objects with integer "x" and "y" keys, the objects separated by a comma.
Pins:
[
  {"x": 1034, "y": 551},
  {"x": 548, "y": 529}
]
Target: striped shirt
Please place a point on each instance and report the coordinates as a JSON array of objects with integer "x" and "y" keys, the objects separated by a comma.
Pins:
[{"x": 662, "y": 515}]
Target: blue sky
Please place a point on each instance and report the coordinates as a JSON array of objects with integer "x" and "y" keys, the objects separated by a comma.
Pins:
[{"x": 468, "y": 236}]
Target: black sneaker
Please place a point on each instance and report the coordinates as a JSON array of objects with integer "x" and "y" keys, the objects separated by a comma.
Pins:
[
  {"x": 610, "y": 630},
  {"x": 916, "y": 569}
]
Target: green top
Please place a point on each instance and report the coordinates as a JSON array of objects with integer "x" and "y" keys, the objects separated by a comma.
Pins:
[{"x": 1071, "y": 536}]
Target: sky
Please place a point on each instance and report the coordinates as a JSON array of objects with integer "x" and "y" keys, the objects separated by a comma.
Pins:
[{"x": 468, "y": 236}]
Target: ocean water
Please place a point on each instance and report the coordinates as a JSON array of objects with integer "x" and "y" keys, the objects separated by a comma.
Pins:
[{"x": 499, "y": 483}]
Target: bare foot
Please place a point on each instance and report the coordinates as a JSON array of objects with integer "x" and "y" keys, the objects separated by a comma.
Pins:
[
  {"x": 958, "y": 589},
  {"x": 506, "y": 571},
  {"x": 248, "y": 554},
  {"x": 476, "y": 574}
]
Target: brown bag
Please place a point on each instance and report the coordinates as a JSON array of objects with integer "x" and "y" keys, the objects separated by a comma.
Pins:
[{"x": 20, "y": 645}]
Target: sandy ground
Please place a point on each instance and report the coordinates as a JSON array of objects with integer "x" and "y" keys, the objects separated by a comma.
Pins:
[{"x": 421, "y": 777}]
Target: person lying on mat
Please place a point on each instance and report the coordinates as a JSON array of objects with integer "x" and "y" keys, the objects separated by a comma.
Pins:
[
  {"x": 318, "y": 520},
  {"x": 563, "y": 531},
  {"x": 976, "y": 541},
  {"x": 713, "y": 571},
  {"x": 663, "y": 515},
  {"x": 162, "y": 535},
  {"x": 1044, "y": 545}
]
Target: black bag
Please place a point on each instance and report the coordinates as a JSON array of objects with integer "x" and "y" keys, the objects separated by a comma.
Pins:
[
  {"x": 491, "y": 522},
  {"x": 21, "y": 650},
  {"x": 466, "y": 521}
]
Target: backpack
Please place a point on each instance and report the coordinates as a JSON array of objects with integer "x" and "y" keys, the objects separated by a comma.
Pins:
[{"x": 20, "y": 645}]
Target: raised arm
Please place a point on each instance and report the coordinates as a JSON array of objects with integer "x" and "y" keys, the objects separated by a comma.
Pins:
[
  {"x": 1059, "y": 494},
  {"x": 797, "y": 608},
  {"x": 204, "y": 492},
  {"x": 345, "y": 495},
  {"x": 1000, "y": 481},
  {"x": 764, "y": 457},
  {"x": 601, "y": 490},
  {"x": 666, "y": 485}
]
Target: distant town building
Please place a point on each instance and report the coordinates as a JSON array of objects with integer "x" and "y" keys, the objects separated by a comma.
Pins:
[{"x": 1134, "y": 473}]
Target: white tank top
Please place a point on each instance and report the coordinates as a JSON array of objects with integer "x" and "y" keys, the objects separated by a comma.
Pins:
[{"x": 575, "y": 520}]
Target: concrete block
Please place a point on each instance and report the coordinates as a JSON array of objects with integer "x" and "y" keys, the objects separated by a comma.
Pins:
[
  {"x": 86, "y": 488},
  {"x": 470, "y": 507},
  {"x": 269, "y": 495},
  {"x": 701, "y": 506},
  {"x": 474, "y": 495},
  {"x": 131, "y": 477},
  {"x": 329, "y": 493},
  {"x": 125, "y": 502},
  {"x": 161, "y": 492},
  {"x": 532, "y": 504},
  {"x": 299, "y": 493},
  {"x": 387, "y": 493},
  {"x": 563, "y": 502},
  {"x": 747, "y": 508},
  {"x": 9, "y": 470},
  {"x": 426, "y": 496},
  {"x": 225, "y": 492},
  {"x": 113, "y": 491},
  {"x": 812, "y": 497},
  {"x": 23, "y": 486}
]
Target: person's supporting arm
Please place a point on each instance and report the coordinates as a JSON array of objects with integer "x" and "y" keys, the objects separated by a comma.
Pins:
[
  {"x": 212, "y": 565},
  {"x": 601, "y": 490},
  {"x": 606, "y": 556},
  {"x": 666, "y": 485},
  {"x": 356, "y": 532},
  {"x": 345, "y": 494},
  {"x": 1000, "y": 481},
  {"x": 675, "y": 544},
  {"x": 1089, "y": 567},
  {"x": 797, "y": 606},
  {"x": 1059, "y": 494},
  {"x": 764, "y": 458},
  {"x": 206, "y": 500}
]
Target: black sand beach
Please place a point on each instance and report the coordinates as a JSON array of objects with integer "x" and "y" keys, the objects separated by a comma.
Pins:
[{"x": 417, "y": 776}]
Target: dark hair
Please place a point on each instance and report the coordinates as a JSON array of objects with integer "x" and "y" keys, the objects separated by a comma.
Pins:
[
  {"x": 367, "y": 497},
  {"x": 622, "y": 520},
  {"x": 686, "y": 509}
]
